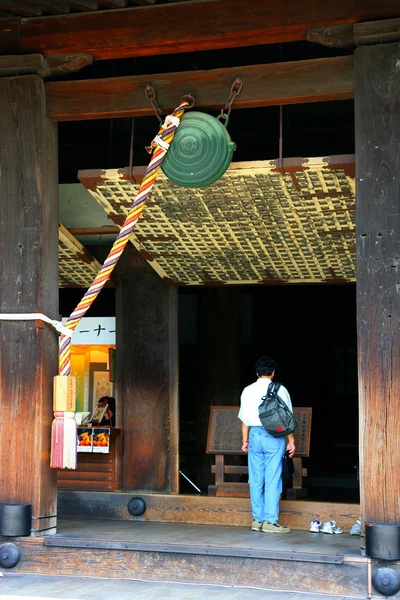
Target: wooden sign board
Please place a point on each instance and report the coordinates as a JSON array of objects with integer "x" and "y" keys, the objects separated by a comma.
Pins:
[
  {"x": 225, "y": 432},
  {"x": 302, "y": 434}
]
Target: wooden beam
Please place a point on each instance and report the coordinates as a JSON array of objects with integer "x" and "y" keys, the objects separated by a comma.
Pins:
[
  {"x": 22, "y": 65},
  {"x": 190, "y": 26},
  {"x": 36, "y": 64},
  {"x": 28, "y": 283},
  {"x": 94, "y": 230},
  {"x": 377, "y": 101},
  {"x": 359, "y": 34},
  {"x": 264, "y": 85}
]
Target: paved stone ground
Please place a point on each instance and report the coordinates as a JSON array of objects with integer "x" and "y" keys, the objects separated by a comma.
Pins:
[{"x": 19, "y": 587}]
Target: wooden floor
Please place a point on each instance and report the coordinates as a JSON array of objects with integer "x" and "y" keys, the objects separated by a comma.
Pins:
[
  {"x": 199, "y": 538},
  {"x": 14, "y": 587}
]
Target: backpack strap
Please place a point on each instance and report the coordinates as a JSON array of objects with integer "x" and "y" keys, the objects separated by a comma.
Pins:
[{"x": 273, "y": 389}]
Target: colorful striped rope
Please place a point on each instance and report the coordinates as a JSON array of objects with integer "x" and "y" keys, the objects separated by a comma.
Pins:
[{"x": 166, "y": 134}]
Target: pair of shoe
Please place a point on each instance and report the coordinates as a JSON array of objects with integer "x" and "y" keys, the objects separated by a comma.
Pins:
[
  {"x": 356, "y": 528},
  {"x": 328, "y": 527},
  {"x": 267, "y": 527}
]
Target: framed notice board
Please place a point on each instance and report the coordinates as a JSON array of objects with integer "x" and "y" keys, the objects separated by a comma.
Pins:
[{"x": 225, "y": 431}]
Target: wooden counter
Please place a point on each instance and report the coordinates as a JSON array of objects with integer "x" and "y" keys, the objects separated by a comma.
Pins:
[{"x": 95, "y": 471}]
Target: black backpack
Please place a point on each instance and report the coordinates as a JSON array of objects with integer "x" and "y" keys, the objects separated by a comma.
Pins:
[{"x": 275, "y": 416}]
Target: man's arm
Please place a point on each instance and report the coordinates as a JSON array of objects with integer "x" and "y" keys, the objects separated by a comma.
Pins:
[
  {"x": 290, "y": 445},
  {"x": 245, "y": 437}
]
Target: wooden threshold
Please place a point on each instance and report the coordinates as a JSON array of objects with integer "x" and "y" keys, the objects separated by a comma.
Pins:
[{"x": 171, "y": 508}]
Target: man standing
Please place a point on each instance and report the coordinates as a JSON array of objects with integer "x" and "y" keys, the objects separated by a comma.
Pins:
[{"x": 265, "y": 451}]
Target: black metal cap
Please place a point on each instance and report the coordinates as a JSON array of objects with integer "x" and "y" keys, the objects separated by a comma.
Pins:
[{"x": 382, "y": 540}]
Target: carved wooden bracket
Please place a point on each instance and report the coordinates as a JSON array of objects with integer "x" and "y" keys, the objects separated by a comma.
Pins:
[
  {"x": 359, "y": 34},
  {"x": 56, "y": 65}
]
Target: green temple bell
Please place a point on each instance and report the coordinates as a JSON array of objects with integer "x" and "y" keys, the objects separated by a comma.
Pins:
[{"x": 200, "y": 152}]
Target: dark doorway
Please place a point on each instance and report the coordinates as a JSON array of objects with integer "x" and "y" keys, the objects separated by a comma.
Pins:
[{"x": 311, "y": 332}]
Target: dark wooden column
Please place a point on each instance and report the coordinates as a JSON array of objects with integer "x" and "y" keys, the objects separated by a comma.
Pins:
[
  {"x": 377, "y": 109},
  {"x": 218, "y": 378},
  {"x": 147, "y": 381},
  {"x": 28, "y": 283}
]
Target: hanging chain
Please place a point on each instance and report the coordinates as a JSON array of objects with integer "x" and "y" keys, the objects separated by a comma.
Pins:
[
  {"x": 189, "y": 99},
  {"x": 131, "y": 147},
  {"x": 150, "y": 94},
  {"x": 235, "y": 90}
]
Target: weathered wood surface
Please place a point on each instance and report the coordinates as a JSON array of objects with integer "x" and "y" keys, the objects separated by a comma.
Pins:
[
  {"x": 359, "y": 34},
  {"x": 28, "y": 283},
  {"x": 231, "y": 469},
  {"x": 302, "y": 81},
  {"x": 377, "y": 88},
  {"x": 232, "y": 489},
  {"x": 37, "y": 64},
  {"x": 197, "y": 538},
  {"x": 348, "y": 578},
  {"x": 201, "y": 509},
  {"x": 21, "y": 65},
  {"x": 147, "y": 382},
  {"x": 188, "y": 26}
]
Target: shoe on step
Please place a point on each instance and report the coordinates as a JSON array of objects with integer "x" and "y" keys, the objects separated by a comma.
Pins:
[
  {"x": 274, "y": 528},
  {"x": 315, "y": 526},
  {"x": 331, "y": 527},
  {"x": 356, "y": 528},
  {"x": 256, "y": 526}
]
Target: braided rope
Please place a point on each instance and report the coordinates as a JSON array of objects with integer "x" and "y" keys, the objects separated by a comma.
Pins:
[{"x": 166, "y": 134}]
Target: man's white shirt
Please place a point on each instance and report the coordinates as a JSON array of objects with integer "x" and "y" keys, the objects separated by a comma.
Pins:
[{"x": 251, "y": 397}]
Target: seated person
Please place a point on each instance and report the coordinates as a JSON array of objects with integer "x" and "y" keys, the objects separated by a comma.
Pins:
[{"x": 110, "y": 415}]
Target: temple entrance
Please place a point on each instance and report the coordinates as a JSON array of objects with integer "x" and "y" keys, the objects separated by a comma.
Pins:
[{"x": 311, "y": 332}]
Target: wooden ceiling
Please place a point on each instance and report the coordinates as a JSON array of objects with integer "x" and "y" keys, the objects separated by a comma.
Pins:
[
  {"x": 38, "y": 8},
  {"x": 259, "y": 224}
]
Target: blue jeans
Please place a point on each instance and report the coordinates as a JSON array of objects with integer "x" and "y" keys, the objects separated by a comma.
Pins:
[{"x": 265, "y": 474}]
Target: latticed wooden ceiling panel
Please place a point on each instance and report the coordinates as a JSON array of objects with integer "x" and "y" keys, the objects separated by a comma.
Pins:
[
  {"x": 77, "y": 267},
  {"x": 256, "y": 225}
]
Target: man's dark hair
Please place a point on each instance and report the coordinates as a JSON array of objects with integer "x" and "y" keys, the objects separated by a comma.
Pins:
[{"x": 265, "y": 365}]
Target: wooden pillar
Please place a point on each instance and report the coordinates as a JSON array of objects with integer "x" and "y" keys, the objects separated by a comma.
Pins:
[
  {"x": 218, "y": 378},
  {"x": 28, "y": 283},
  {"x": 147, "y": 382},
  {"x": 377, "y": 110}
]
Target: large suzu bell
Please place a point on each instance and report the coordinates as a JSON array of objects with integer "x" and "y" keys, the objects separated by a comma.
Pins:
[{"x": 200, "y": 152}]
